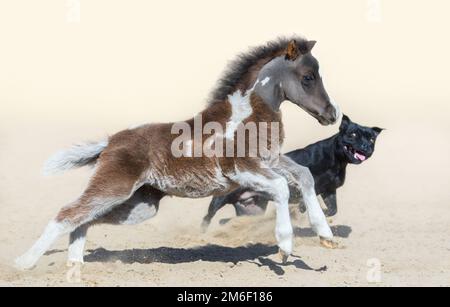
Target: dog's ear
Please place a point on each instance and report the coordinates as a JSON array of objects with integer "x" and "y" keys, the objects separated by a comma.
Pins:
[
  {"x": 377, "y": 130},
  {"x": 345, "y": 122}
]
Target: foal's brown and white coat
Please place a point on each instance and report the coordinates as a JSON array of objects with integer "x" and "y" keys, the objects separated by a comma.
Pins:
[{"x": 135, "y": 168}]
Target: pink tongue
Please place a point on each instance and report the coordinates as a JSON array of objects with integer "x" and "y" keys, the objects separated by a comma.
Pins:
[{"x": 360, "y": 156}]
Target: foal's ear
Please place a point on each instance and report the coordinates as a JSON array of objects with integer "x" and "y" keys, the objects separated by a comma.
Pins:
[
  {"x": 292, "y": 51},
  {"x": 307, "y": 47},
  {"x": 345, "y": 122}
]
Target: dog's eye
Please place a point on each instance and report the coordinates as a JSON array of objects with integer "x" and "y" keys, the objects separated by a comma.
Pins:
[
  {"x": 372, "y": 140},
  {"x": 353, "y": 135}
]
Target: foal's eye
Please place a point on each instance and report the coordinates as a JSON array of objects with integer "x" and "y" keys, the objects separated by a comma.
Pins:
[{"x": 308, "y": 78}]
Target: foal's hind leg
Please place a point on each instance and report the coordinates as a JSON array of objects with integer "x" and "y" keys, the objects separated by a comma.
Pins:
[
  {"x": 142, "y": 206},
  {"x": 77, "y": 241},
  {"x": 108, "y": 188}
]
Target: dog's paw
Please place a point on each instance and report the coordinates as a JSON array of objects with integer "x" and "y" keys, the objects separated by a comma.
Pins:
[{"x": 328, "y": 243}]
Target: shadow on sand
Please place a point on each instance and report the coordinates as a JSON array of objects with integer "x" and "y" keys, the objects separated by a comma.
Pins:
[
  {"x": 172, "y": 255},
  {"x": 340, "y": 231},
  {"x": 257, "y": 254}
]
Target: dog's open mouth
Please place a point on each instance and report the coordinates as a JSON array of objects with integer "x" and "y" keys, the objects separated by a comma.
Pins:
[{"x": 356, "y": 154}]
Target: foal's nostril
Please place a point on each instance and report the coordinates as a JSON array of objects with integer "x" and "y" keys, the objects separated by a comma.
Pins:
[
  {"x": 333, "y": 116},
  {"x": 334, "y": 112}
]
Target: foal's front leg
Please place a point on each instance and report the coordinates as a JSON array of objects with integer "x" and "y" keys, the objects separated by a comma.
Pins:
[
  {"x": 301, "y": 177},
  {"x": 268, "y": 181}
]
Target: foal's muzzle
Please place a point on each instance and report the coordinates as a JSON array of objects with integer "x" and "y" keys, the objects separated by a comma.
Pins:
[{"x": 330, "y": 116}]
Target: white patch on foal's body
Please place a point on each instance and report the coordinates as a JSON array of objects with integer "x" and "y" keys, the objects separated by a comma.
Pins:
[
  {"x": 141, "y": 212},
  {"x": 240, "y": 110},
  {"x": 265, "y": 81},
  {"x": 241, "y": 107}
]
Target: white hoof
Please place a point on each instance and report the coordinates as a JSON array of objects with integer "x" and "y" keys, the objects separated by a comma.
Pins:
[
  {"x": 283, "y": 257},
  {"x": 25, "y": 262},
  {"x": 286, "y": 246},
  {"x": 323, "y": 229},
  {"x": 284, "y": 239}
]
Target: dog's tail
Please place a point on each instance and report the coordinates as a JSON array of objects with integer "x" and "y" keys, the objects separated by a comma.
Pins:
[{"x": 77, "y": 156}]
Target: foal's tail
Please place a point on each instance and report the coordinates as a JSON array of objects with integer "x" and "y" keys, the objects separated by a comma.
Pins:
[{"x": 77, "y": 156}]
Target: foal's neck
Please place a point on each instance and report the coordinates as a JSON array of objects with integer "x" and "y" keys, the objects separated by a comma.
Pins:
[{"x": 269, "y": 84}]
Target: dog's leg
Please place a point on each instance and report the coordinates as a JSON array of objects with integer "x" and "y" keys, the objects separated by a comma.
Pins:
[
  {"x": 302, "y": 178},
  {"x": 268, "y": 181},
  {"x": 107, "y": 189},
  {"x": 216, "y": 204},
  {"x": 330, "y": 201}
]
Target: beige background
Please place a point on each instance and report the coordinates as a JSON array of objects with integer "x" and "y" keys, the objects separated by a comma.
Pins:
[{"x": 130, "y": 62}]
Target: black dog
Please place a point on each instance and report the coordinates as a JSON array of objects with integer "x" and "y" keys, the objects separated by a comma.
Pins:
[{"x": 327, "y": 161}]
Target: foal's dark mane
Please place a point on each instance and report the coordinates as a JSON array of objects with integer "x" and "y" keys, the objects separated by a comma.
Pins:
[{"x": 242, "y": 72}]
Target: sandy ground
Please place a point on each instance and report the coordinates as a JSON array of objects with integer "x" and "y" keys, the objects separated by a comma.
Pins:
[{"x": 394, "y": 210}]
